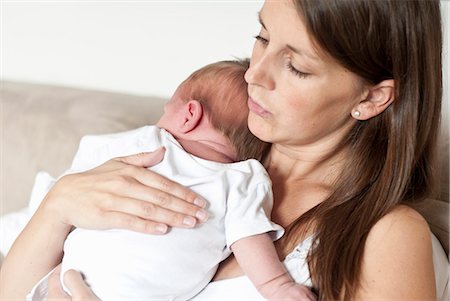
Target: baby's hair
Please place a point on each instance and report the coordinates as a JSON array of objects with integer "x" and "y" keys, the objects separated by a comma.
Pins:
[{"x": 221, "y": 89}]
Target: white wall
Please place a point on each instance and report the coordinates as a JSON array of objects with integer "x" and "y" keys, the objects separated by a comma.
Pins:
[{"x": 140, "y": 47}]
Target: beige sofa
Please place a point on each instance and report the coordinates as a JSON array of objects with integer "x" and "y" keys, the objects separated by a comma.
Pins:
[{"x": 42, "y": 125}]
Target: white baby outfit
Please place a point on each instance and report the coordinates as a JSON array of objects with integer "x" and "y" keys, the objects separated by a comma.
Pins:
[
  {"x": 125, "y": 265},
  {"x": 241, "y": 288}
]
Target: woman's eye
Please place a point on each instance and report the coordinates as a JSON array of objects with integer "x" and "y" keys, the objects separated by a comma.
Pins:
[
  {"x": 262, "y": 40},
  {"x": 295, "y": 71}
]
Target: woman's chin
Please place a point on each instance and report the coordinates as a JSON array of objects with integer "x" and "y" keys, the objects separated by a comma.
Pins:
[{"x": 259, "y": 127}]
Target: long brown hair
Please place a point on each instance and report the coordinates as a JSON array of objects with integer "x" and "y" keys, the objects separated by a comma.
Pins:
[{"x": 376, "y": 40}]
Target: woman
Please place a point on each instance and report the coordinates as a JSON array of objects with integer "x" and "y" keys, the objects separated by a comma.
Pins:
[{"x": 348, "y": 92}]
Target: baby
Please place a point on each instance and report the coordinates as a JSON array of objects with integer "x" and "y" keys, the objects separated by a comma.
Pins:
[{"x": 209, "y": 149}]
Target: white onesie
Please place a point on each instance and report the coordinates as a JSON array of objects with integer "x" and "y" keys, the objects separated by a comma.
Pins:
[{"x": 121, "y": 264}]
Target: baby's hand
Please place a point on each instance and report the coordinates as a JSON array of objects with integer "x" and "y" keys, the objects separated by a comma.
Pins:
[
  {"x": 284, "y": 288},
  {"x": 292, "y": 291}
]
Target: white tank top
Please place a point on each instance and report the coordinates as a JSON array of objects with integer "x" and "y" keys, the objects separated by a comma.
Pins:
[{"x": 241, "y": 288}]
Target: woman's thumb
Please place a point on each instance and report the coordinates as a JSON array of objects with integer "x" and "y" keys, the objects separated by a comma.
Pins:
[
  {"x": 146, "y": 159},
  {"x": 77, "y": 287}
]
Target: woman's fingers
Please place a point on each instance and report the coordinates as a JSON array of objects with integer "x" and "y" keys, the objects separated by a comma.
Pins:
[
  {"x": 156, "y": 202},
  {"x": 161, "y": 183},
  {"x": 149, "y": 211},
  {"x": 155, "y": 180},
  {"x": 146, "y": 159},
  {"x": 115, "y": 219},
  {"x": 55, "y": 290},
  {"x": 78, "y": 287},
  {"x": 73, "y": 280},
  {"x": 164, "y": 184},
  {"x": 161, "y": 194}
]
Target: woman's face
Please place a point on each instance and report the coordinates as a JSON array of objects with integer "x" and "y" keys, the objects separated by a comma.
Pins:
[{"x": 298, "y": 96}]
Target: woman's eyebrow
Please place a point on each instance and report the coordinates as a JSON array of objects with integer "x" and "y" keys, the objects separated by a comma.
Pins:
[
  {"x": 292, "y": 48},
  {"x": 304, "y": 53}
]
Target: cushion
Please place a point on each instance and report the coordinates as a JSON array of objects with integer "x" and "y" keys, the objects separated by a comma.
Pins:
[{"x": 42, "y": 126}]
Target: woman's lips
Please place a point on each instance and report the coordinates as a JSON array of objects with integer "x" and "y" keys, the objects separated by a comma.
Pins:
[{"x": 256, "y": 108}]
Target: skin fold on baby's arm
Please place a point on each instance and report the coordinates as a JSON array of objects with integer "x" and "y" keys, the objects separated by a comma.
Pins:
[{"x": 259, "y": 260}]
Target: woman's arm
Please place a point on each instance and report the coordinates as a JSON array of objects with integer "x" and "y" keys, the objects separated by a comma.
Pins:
[
  {"x": 35, "y": 252},
  {"x": 121, "y": 193},
  {"x": 397, "y": 262}
]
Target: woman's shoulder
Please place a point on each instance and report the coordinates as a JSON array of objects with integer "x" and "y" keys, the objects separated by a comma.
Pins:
[
  {"x": 402, "y": 232},
  {"x": 397, "y": 258},
  {"x": 402, "y": 220}
]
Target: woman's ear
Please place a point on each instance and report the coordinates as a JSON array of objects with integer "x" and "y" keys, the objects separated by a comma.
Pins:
[
  {"x": 378, "y": 98},
  {"x": 192, "y": 115}
]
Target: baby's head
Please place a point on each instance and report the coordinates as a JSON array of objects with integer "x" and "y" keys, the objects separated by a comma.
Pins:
[{"x": 221, "y": 90}]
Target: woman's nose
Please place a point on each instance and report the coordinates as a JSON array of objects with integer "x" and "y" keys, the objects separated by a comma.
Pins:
[{"x": 260, "y": 71}]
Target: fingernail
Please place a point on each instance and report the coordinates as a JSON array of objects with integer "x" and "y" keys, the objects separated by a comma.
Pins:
[
  {"x": 161, "y": 228},
  {"x": 202, "y": 215},
  {"x": 189, "y": 221},
  {"x": 200, "y": 202}
]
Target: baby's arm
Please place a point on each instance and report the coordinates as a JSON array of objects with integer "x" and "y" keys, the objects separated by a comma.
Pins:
[{"x": 258, "y": 258}]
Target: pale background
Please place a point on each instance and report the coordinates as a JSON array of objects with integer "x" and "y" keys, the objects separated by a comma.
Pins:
[{"x": 137, "y": 47}]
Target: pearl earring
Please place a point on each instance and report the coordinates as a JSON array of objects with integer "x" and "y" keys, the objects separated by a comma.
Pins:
[{"x": 356, "y": 114}]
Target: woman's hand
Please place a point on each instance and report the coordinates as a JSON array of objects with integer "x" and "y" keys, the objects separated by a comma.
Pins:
[
  {"x": 73, "y": 280},
  {"x": 123, "y": 193}
]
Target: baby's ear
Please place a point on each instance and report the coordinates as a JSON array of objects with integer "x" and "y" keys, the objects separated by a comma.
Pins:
[{"x": 192, "y": 114}]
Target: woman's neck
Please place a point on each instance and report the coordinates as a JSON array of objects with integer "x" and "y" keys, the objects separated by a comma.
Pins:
[
  {"x": 301, "y": 179},
  {"x": 318, "y": 161},
  {"x": 304, "y": 164}
]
